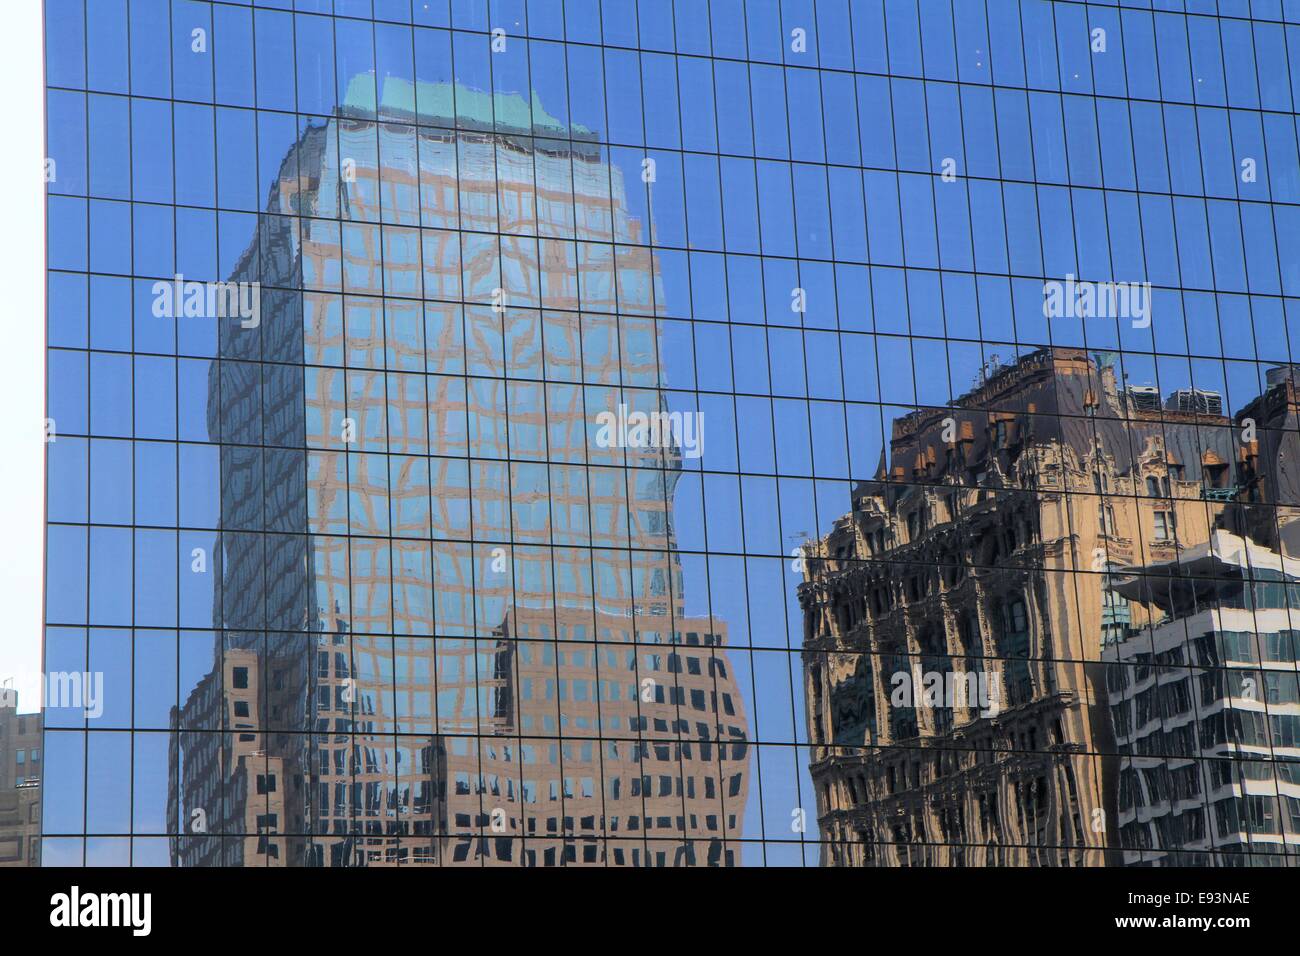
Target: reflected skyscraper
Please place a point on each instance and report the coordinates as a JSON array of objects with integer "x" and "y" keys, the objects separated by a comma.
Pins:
[
  {"x": 494, "y": 670},
  {"x": 1206, "y": 708}
]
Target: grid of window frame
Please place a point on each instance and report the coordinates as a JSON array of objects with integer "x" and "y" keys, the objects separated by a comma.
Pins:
[{"x": 819, "y": 247}]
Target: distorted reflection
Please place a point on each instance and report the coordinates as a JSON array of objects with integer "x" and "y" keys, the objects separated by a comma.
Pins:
[{"x": 537, "y": 695}]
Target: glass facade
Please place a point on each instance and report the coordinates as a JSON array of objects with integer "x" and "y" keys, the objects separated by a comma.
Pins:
[{"x": 672, "y": 433}]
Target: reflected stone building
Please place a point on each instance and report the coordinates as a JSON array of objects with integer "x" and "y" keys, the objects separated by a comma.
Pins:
[
  {"x": 454, "y": 623},
  {"x": 1270, "y": 472},
  {"x": 977, "y": 566}
]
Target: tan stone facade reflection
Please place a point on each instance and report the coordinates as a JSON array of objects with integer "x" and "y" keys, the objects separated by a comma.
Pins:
[{"x": 980, "y": 559}]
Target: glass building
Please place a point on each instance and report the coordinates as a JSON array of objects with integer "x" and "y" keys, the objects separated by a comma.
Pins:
[{"x": 672, "y": 433}]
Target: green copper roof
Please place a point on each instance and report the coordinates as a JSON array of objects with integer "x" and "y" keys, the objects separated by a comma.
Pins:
[{"x": 448, "y": 100}]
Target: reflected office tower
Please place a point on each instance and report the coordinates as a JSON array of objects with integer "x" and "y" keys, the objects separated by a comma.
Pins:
[
  {"x": 1204, "y": 695},
  {"x": 955, "y": 620},
  {"x": 1206, "y": 709},
  {"x": 454, "y": 621}
]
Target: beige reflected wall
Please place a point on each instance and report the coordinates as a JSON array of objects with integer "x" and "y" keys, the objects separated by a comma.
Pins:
[{"x": 983, "y": 552}]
